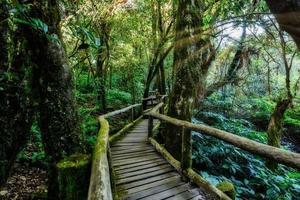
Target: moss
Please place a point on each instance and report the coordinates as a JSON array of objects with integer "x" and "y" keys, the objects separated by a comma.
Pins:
[
  {"x": 74, "y": 161},
  {"x": 73, "y": 177},
  {"x": 227, "y": 188},
  {"x": 102, "y": 138}
]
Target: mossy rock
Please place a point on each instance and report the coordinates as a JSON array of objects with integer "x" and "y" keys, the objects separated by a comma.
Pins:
[
  {"x": 73, "y": 177},
  {"x": 227, "y": 188}
]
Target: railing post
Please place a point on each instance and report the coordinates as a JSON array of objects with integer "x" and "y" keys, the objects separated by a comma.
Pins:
[
  {"x": 132, "y": 114},
  {"x": 186, "y": 149},
  {"x": 150, "y": 126}
]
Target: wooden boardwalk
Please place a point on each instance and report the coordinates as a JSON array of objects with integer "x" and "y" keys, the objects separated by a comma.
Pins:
[{"x": 142, "y": 173}]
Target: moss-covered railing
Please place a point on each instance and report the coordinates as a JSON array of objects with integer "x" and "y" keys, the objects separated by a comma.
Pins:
[
  {"x": 102, "y": 186},
  {"x": 184, "y": 166}
]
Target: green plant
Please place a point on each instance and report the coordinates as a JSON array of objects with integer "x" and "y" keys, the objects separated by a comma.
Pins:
[{"x": 218, "y": 161}]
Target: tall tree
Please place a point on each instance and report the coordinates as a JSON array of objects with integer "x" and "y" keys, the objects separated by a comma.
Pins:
[
  {"x": 15, "y": 108},
  {"x": 237, "y": 63},
  {"x": 161, "y": 35},
  {"x": 58, "y": 118},
  {"x": 275, "y": 126},
  {"x": 187, "y": 75}
]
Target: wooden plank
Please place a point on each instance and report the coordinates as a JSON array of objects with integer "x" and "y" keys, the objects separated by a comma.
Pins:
[
  {"x": 125, "y": 157},
  {"x": 143, "y": 171},
  {"x": 137, "y": 153},
  {"x": 141, "y": 145},
  {"x": 169, "y": 193},
  {"x": 159, "y": 187},
  {"x": 117, "y": 155},
  {"x": 127, "y": 152},
  {"x": 144, "y": 176},
  {"x": 134, "y": 160},
  {"x": 136, "y": 136},
  {"x": 186, "y": 195},
  {"x": 138, "y": 132},
  {"x": 128, "y": 146},
  {"x": 137, "y": 164},
  {"x": 132, "y": 143},
  {"x": 148, "y": 180},
  {"x": 174, "y": 179},
  {"x": 144, "y": 138},
  {"x": 130, "y": 161},
  {"x": 199, "y": 197},
  {"x": 153, "y": 164}
]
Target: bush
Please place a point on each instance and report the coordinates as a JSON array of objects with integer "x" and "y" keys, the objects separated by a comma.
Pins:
[{"x": 218, "y": 161}]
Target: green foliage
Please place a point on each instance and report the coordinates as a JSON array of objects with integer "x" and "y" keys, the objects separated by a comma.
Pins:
[
  {"x": 118, "y": 98},
  {"x": 292, "y": 116},
  {"x": 218, "y": 161},
  {"x": 34, "y": 152},
  {"x": 262, "y": 107}
]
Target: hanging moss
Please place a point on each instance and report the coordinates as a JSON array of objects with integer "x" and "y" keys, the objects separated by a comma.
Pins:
[
  {"x": 227, "y": 188},
  {"x": 74, "y": 176}
]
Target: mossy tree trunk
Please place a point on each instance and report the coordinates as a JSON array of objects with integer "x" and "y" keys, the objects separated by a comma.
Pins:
[
  {"x": 275, "y": 127},
  {"x": 103, "y": 56},
  {"x": 58, "y": 118},
  {"x": 276, "y": 122},
  {"x": 189, "y": 77},
  {"x": 73, "y": 177},
  {"x": 15, "y": 109}
]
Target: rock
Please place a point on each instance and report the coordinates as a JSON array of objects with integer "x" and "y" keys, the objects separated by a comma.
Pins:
[
  {"x": 3, "y": 192},
  {"x": 227, "y": 188}
]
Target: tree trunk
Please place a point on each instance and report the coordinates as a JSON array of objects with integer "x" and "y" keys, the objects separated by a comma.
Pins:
[
  {"x": 287, "y": 14},
  {"x": 275, "y": 128},
  {"x": 102, "y": 62},
  {"x": 15, "y": 114},
  {"x": 4, "y": 38},
  {"x": 186, "y": 72},
  {"x": 58, "y": 118},
  {"x": 162, "y": 79},
  {"x": 101, "y": 79},
  {"x": 236, "y": 64}
]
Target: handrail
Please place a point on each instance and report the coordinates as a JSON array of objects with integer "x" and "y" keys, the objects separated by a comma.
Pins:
[
  {"x": 116, "y": 112},
  {"x": 279, "y": 155},
  {"x": 184, "y": 166},
  {"x": 100, "y": 183},
  {"x": 149, "y": 98},
  {"x": 100, "y": 187}
]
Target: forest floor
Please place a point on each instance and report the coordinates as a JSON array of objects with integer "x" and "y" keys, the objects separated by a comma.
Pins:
[{"x": 25, "y": 183}]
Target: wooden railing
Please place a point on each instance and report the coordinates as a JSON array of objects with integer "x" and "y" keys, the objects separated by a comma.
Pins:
[
  {"x": 279, "y": 155},
  {"x": 102, "y": 184}
]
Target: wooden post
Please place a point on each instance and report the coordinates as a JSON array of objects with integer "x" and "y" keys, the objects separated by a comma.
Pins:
[
  {"x": 150, "y": 126},
  {"x": 132, "y": 114},
  {"x": 73, "y": 177},
  {"x": 112, "y": 174},
  {"x": 186, "y": 149}
]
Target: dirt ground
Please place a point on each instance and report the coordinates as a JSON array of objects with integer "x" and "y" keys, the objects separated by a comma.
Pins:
[{"x": 25, "y": 183}]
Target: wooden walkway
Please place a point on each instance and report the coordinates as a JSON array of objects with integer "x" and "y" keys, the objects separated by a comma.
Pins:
[{"x": 141, "y": 173}]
